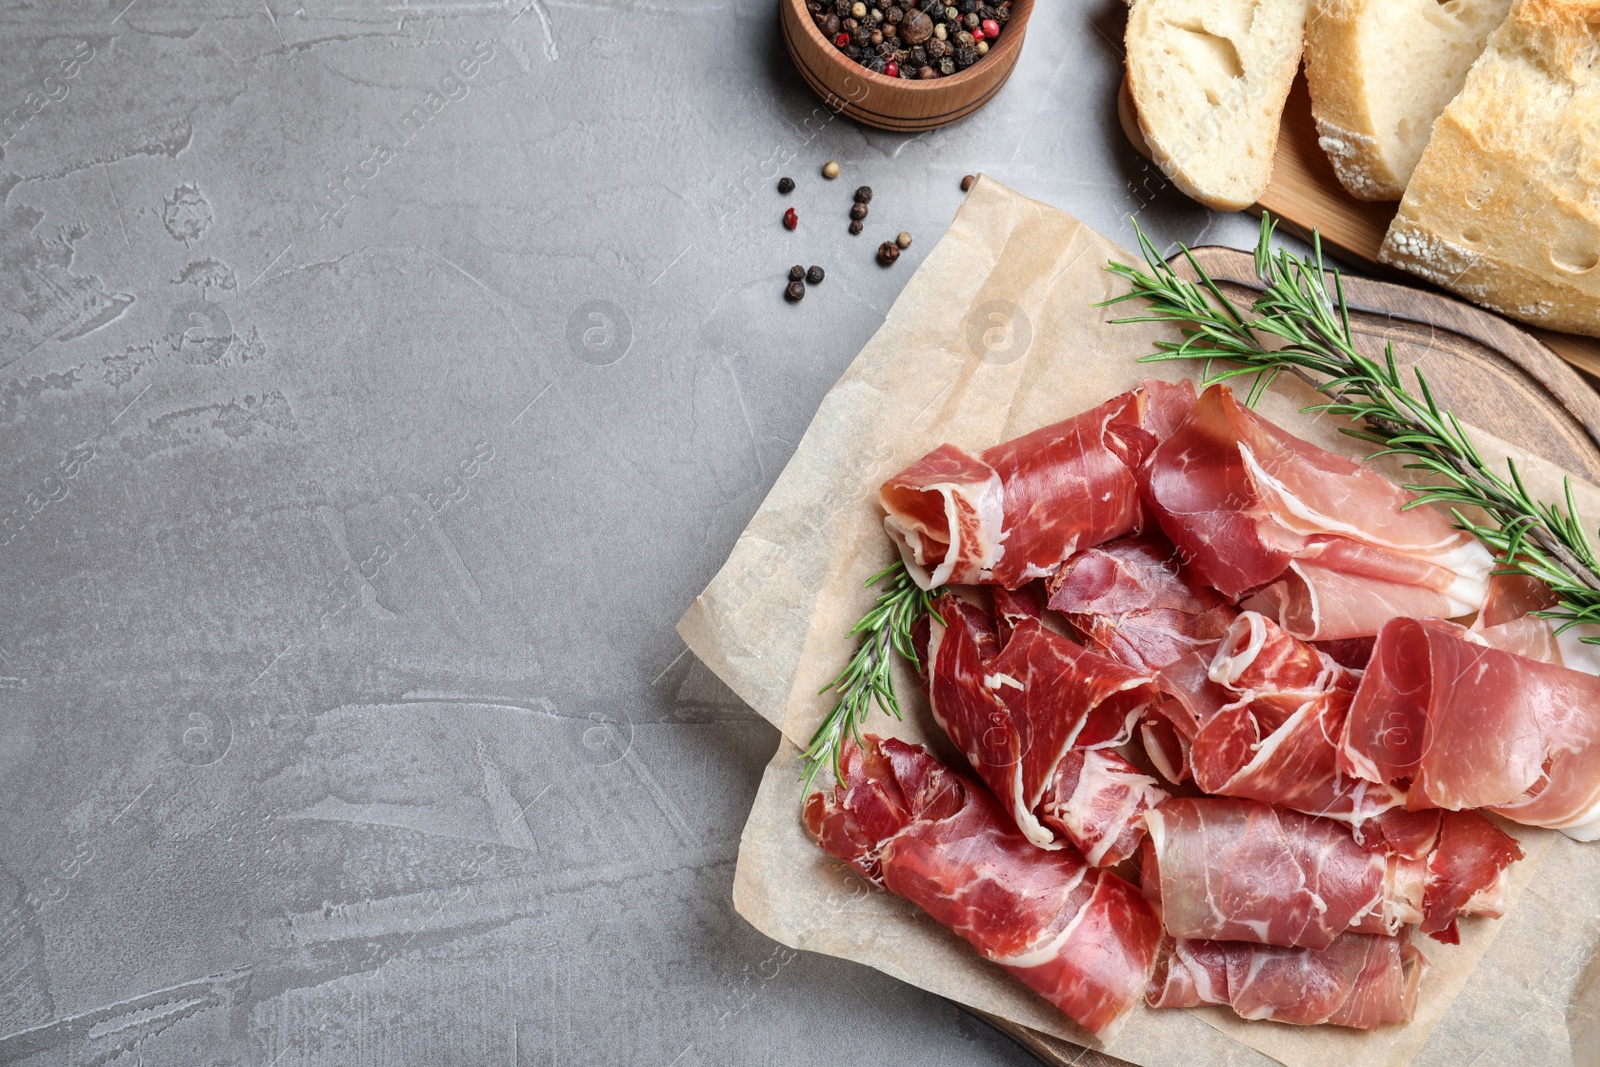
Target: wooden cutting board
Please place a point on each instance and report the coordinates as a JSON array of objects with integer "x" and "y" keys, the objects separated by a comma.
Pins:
[
  {"x": 1306, "y": 193},
  {"x": 1491, "y": 373}
]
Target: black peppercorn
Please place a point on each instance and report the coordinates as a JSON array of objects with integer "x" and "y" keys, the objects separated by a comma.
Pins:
[
  {"x": 965, "y": 57},
  {"x": 864, "y": 195},
  {"x": 796, "y": 291},
  {"x": 888, "y": 252},
  {"x": 916, "y": 27},
  {"x": 785, "y": 186},
  {"x": 814, "y": 275},
  {"x": 858, "y": 210},
  {"x": 796, "y": 272},
  {"x": 855, "y": 227},
  {"x": 917, "y": 57},
  {"x": 830, "y": 26}
]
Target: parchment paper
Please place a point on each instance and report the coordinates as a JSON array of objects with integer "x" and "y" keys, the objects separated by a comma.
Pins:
[{"x": 994, "y": 336}]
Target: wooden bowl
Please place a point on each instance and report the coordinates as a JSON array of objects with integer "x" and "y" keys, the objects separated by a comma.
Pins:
[{"x": 901, "y": 104}]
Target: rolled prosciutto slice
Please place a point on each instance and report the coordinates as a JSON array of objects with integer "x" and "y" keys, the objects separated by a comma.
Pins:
[
  {"x": 1359, "y": 980},
  {"x": 1473, "y": 726},
  {"x": 1325, "y": 544},
  {"x": 1019, "y": 709},
  {"x": 1238, "y": 870},
  {"x": 1016, "y": 511},
  {"x": 1082, "y": 938}
]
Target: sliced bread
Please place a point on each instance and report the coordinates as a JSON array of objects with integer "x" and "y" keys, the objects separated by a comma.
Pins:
[
  {"x": 1209, "y": 78},
  {"x": 1380, "y": 72},
  {"x": 1504, "y": 207}
]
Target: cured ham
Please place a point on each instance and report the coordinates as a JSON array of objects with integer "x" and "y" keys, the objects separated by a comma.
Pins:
[
  {"x": 1017, "y": 709},
  {"x": 1509, "y": 623},
  {"x": 1135, "y": 601},
  {"x": 1278, "y": 741},
  {"x": 1237, "y": 870},
  {"x": 1469, "y": 725},
  {"x": 1016, "y": 511},
  {"x": 1097, "y": 801},
  {"x": 1325, "y": 545},
  {"x": 1082, "y": 938},
  {"x": 1359, "y": 980}
]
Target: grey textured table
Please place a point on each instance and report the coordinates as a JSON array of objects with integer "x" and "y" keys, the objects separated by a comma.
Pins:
[{"x": 378, "y": 383}]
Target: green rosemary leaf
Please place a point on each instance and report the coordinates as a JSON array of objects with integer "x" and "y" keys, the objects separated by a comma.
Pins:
[{"x": 868, "y": 679}]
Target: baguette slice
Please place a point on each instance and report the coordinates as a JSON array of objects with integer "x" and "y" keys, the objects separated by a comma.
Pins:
[
  {"x": 1209, "y": 78},
  {"x": 1505, "y": 206},
  {"x": 1380, "y": 72}
]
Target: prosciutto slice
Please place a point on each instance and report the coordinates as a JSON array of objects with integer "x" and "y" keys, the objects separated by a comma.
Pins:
[
  {"x": 1473, "y": 726},
  {"x": 1135, "y": 601},
  {"x": 1018, "y": 510},
  {"x": 1082, "y": 938},
  {"x": 1278, "y": 741},
  {"x": 1018, "y": 709},
  {"x": 1237, "y": 870},
  {"x": 1508, "y": 622},
  {"x": 1325, "y": 544},
  {"x": 1359, "y": 980}
]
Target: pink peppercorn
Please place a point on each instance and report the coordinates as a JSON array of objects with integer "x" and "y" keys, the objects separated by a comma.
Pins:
[
  {"x": 893, "y": 70},
  {"x": 990, "y": 28},
  {"x": 790, "y": 219}
]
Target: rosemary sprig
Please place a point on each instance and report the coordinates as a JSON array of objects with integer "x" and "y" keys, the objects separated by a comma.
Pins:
[
  {"x": 867, "y": 680},
  {"x": 1300, "y": 326}
]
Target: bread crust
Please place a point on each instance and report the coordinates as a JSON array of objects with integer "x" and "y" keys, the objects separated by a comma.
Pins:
[
  {"x": 1373, "y": 139},
  {"x": 1346, "y": 129},
  {"x": 1504, "y": 208}
]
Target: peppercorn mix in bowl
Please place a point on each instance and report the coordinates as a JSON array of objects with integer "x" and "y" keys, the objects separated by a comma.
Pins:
[{"x": 909, "y": 66}]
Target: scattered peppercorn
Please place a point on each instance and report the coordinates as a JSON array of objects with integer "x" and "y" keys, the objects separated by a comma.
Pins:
[
  {"x": 785, "y": 186},
  {"x": 864, "y": 195},
  {"x": 858, "y": 210},
  {"x": 903, "y": 240},
  {"x": 830, "y": 170},
  {"x": 796, "y": 292},
  {"x": 966, "y": 183},
  {"x": 888, "y": 252},
  {"x": 790, "y": 219},
  {"x": 814, "y": 275},
  {"x": 796, "y": 272},
  {"x": 855, "y": 227}
]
